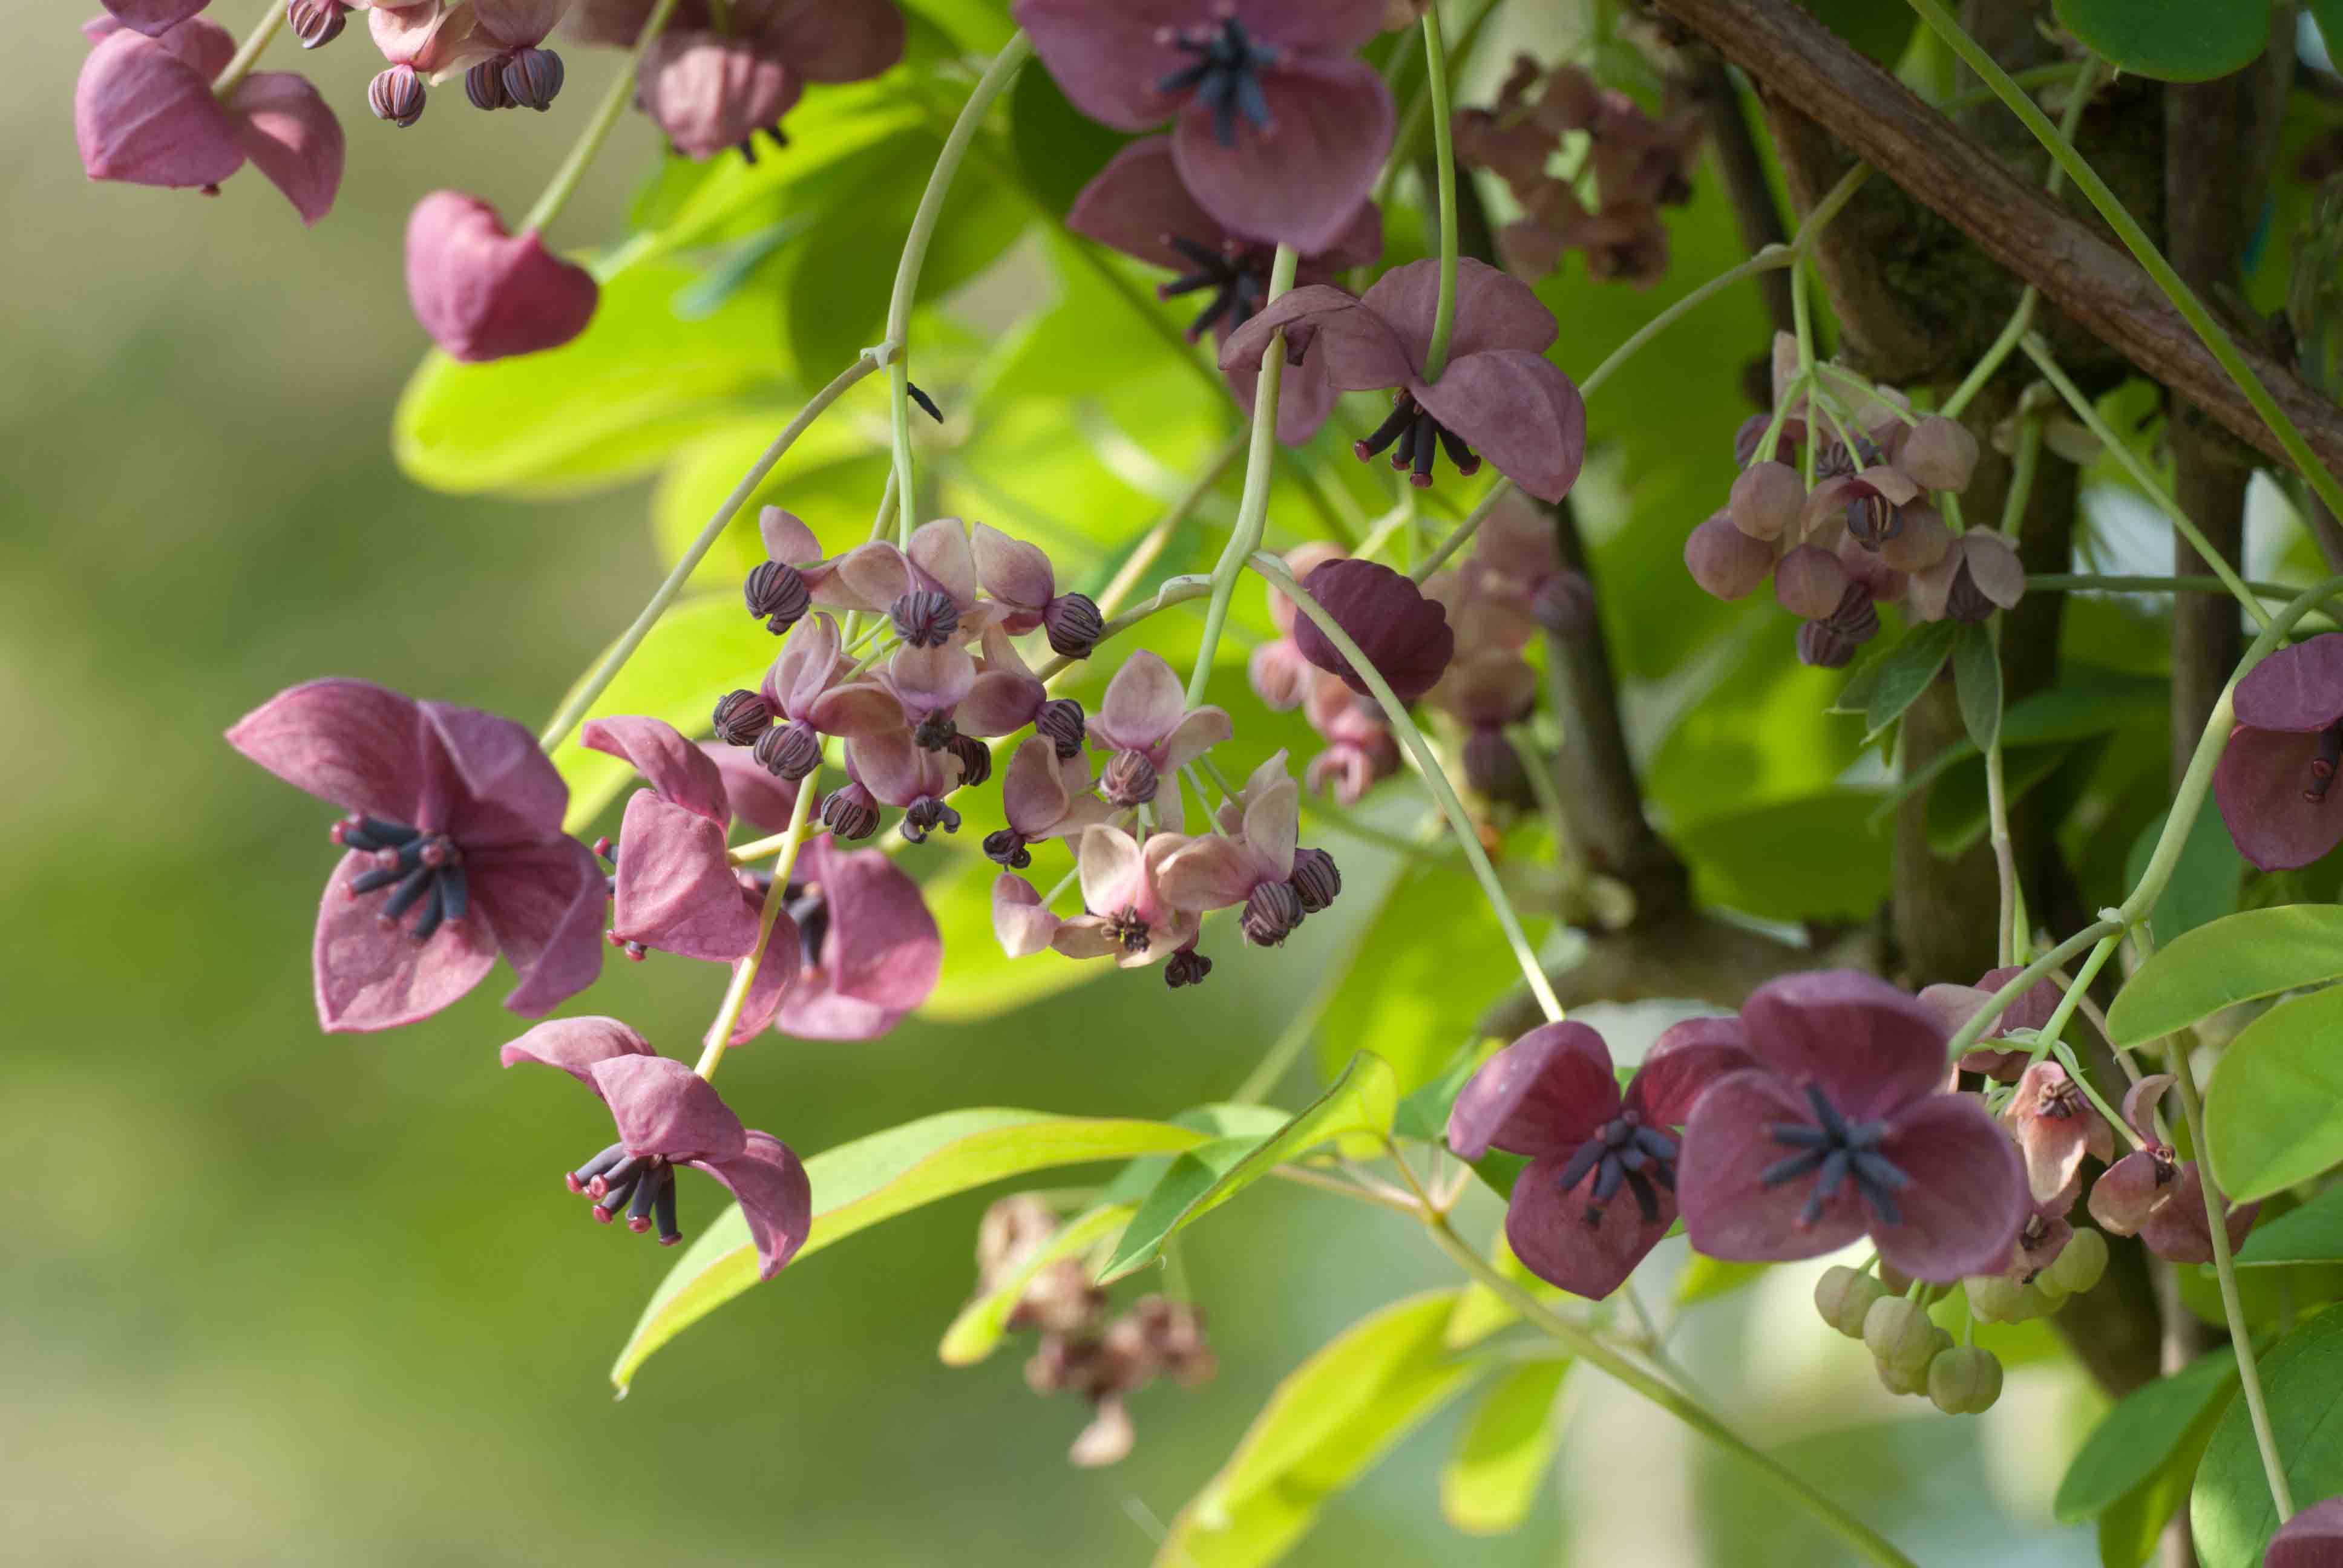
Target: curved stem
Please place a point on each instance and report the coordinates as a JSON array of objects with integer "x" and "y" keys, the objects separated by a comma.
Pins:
[
  {"x": 598, "y": 129},
  {"x": 249, "y": 53},
  {"x": 603, "y": 673},
  {"x": 1767, "y": 260},
  {"x": 1443, "y": 319},
  {"x": 1965, "y": 1037},
  {"x": 744, "y": 973},
  {"x": 1396, "y": 710}
]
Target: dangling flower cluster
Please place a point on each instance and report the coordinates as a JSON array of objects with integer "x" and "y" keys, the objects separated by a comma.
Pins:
[
  {"x": 1865, "y": 533},
  {"x": 1360, "y": 749},
  {"x": 1630, "y": 168},
  {"x": 1081, "y": 1352}
]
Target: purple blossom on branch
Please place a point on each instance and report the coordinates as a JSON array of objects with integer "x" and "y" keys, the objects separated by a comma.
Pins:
[{"x": 2274, "y": 775}]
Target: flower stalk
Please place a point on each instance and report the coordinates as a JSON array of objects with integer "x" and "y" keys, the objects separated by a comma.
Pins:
[
  {"x": 1443, "y": 320},
  {"x": 247, "y": 54},
  {"x": 744, "y": 974}
]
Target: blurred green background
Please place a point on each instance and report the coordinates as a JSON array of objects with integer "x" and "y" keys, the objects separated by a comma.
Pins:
[{"x": 271, "y": 1296}]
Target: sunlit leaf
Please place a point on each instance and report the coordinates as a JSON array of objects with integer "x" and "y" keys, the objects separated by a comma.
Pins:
[
  {"x": 1505, "y": 1453},
  {"x": 2256, "y": 954},
  {"x": 2230, "y": 1510},
  {"x": 2274, "y": 1108},
  {"x": 2142, "y": 1433}
]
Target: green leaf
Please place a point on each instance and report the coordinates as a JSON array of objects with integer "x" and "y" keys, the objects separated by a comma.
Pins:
[
  {"x": 1792, "y": 859},
  {"x": 1907, "y": 671},
  {"x": 2302, "y": 1381},
  {"x": 1704, "y": 1278},
  {"x": 1506, "y": 1452},
  {"x": 2311, "y": 1234},
  {"x": 2172, "y": 40},
  {"x": 978, "y": 1329},
  {"x": 2089, "y": 701},
  {"x": 1976, "y": 676},
  {"x": 1959, "y": 810},
  {"x": 856, "y": 1185},
  {"x": 2132, "y": 1526},
  {"x": 2207, "y": 881},
  {"x": 1365, "y": 1098},
  {"x": 978, "y": 26},
  {"x": 1059, "y": 148},
  {"x": 2256, "y": 954},
  {"x": 2274, "y": 1110},
  {"x": 1481, "y": 1312},
  {"x": 2141, "y": 1433},
  {"x": 1330, "y": 1419}
]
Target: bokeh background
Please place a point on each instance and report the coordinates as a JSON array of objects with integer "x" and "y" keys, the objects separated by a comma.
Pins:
[{"x": 271, "y": 1296}]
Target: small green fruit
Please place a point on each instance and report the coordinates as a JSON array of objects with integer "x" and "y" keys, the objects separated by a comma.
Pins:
[
  {"x": 1965, "y": 1381},
  {"x": 2079, "y": 1265},
  {"x": 1844, "y": 1296},
  {"x": 1999, "y": 1299}
]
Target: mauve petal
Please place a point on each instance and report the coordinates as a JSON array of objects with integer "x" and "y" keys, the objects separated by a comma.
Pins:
[
  {"x": 1872, "y": 1048},
  {"x": 1301, "y": 182},
  {"x": 1033, "y": 788},
  {"x": 1305, "y": 396},
  {"x": 1083, "y": 937},
  {"x": 837, "y": 40},
  {"x": 1197, "y": 732},
  {"x": 2177, "y": 1231},
  {"x": 2139, "y": 1102},
  {"x": 1546, "y": 1093},
  {"x": 153, "y": 17},
  {"x": 776, "y": 975},
  {"x": 2128, "y": 1192},
  {"x": 1519, "y": 412},
  {"x": 352, "y": 743},
  {"x": 291, "y": 137},
  {"x": 805, "y": 667},
  {"x": 1683, "y": 1062},
  {"x": 1142, "y": 704},
  {"x": 545, "y": 904},
  {"x": 509, "y": 791},
  {"x": 576, "y": 1045},
  {"x": 1111, "y": 869},
  {"x": 370, "y": 976},
  {"x": 1729, "y": 1212},
  {"x": 1106, "y": 56},
  {"x": 787, "y": 539},
  {"x": 683, "y": 774},
  {"x": 1968, "y": 1199},
  {"x": 1134, "y": 205},
  {"x": 2053, "y": 1146},
  {"x": 929, "y": 679},
  {"x": 940, "y": 549},
  {"x": 870, "y": 576},
  {"x": 1011, "y": 571},
  {"x": 143, "y": 114},
  {"x": 664, "y": 1109},
  {"x": 776, "y": 1198},
  {"x": 485, "y": 294},
  {"x": 891, "y": 765},
  {"x": 880, "y": 958},
  {"x": 2258, "y": 785},
  {"x": 1021, "y": 923},
  {"x": 517, "y": 23},
  {"x": 425, "y": 35},
  {"x": 1357, "y": 350},
  {"x": 1495, "y": 309},
  {"x": 1208, "y": 874},
  {"x": 676, "y": 892},
  {"x": 1549, "y": 1234},
  {"x": 1272, "y": 818},
  {"x": 2297, "y": 688},
  {"x": 1360, "y": 243},
  {"x": 862, "y": 707},
  {"x": 999, "y": 702},
  {"x": 757, "y": 797},
  {"x": 2312, "y": 1539},
  {"x": 709, "y": 93}
]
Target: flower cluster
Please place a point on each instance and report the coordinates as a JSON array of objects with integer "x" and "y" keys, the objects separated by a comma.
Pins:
[{"x": 1865, "y": 532}]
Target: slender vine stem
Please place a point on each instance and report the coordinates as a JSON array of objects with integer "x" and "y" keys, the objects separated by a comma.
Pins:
[
  {"x": 566, "y": 179},
  {"x": 744, "y": 973},
  {"x": 1770, "y": 259},
  {"x": 247, "y": 54},
  {"x": 1443, "y": 319}
]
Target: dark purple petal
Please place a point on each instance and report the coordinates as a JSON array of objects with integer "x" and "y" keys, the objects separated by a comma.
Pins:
[
  {"x": 1106, "y": 56},
  {"x": 372, "y": 976},
  {"x": 1967, "y": 1197},
  {"x": 1137, "y": 203},
  {"x": 545, "y": 903},
  {"x": 2128, "y": 1192},
  {"x": 350, "y": 743},
  {"x": 1403, "y": 635},
  {"x": 576, "y": 1045},
  {"x": 1359, "y": 350},
  {"x": 664, "y": 1109},
  {"x": 2259, "y": 784},
  {"x": 775, "y": 1197},
  {"x": 1333, "y": 27},
  {"x": 1729, "y": 1212},
  {"x": 2298, "y": 687},
  {"x": 1869, "y": 1046},
  {"x": 1495, "y": 309},
  {"x": 2177, "y": 1231},
  {"x": 2312, "y": 1539},
  {"x": 836, "y": 40},
  {"x": 1517, "y": 410},
  {"x": 1549, "y": 1234},
  {"x": 683, "y": 773},
  {"x": 881, "y": 957},
  {"x": 493, "y": 784},
  {"x": 1546, "y": 1093},
  {"x": 676, "y": 892},
  {"x": 1301, "y": 183},
  {"x": 777, "y": 974},
  {"x": 1683, "y": 1061},
  {"x": 757, "y": 797},
  {"x": 291, "y": 137},
  {"x": 1305, "y": 394}
]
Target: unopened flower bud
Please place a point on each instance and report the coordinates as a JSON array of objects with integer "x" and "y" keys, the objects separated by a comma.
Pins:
[
  {"x": 1938, "y": 453},
  {"x": 850, "y": 813},
  {"x": 926, "y": 617},
  {"x": 1061, "y": 721},
  {"x": 1899, "y": 1335},
  {"x": 1007, "y": 848},
  {"x": 1270, "y": 913},
  {"x": 1564, "y": 604},
  {"x": 1999, "y": 1299},
  {"x": 1844, "y": 1297},
  {"x": 975, "y": 760},
  {"x": 777, "y": 595},
  {"x": 1186, "y": 967},
  {"x": 2079, "y": 1265},
  {"x": 1128, "y": 779},
  {"x": 482, "y": 293},
  {"x": 742, "y": 717},
  {"x": 532, "y": 78},
  {"x": 1281, "y": 676},
  {"x": 1317, "y": 879},
  {"x": 1965, "y": 1379},
  {"x": 1492, "y": 768},
  {"x": 1072, "y": 624},
  {"x": 1766, "y": 499},
  {"x": 1809, "y": 583},
  {"x": 397, "y": 96},
  {"x": 484, "y": 85},
  {"x": 790, "y": 750},
  {"x": 1832, "y": 643},
  {"x": 316, "y": 22},
  {"x": 1726, "y": 563}
]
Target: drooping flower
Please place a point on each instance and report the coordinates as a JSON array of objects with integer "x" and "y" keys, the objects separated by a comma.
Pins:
[
  {"x": 1021, "y": 923},
  {"x": 1516, "y": 579},
  {"x": 153, "y": 17},
  {"x": 1978, "y": 574},
  {"x": 1954, "y": 1005},
  {"x": 456, "y": 820},
  {"x": 1403, "y": 635},
  {"x": 1145, "y": 710},
  {"x": 815, "y": 40},
  {"x": 1359, "y": 749},
  {"x": 1842, "y": 1129},
  {"x": 1005, "y": 695},
  {"x": 803, "y": 691},
  {"x": 1499, "y": 397},
  {"x": 1021, "y": 577},
  {"x": 1487, "y": 694},
  {"x": 712, "y": 91},
  {"x": 2312, "y": 1539},
  {"x": 1279, "y": 132},
  {"x": 675, "y": 889},
  {"x": 145, "y": 114},
  {"x": 2274, "y": 776},
  {"x": 898, "y": 770},
  {"x": 419, "y": 41},
  {"x": 2177, "y": 1228},
  {"x": 2041, "y": 1237},
  {"x": 485, "y": 294},
  {"x": 1249, "y": 862},
  {"x": 2153, "y": 1193},
  {"x": 1059, "y": 1299},
  {"x": 2054, "y": 1127},
  {"x": 1138, "y": 205},
  {"x": 1044, "y": 796},
  {"x": 667, "y": 1116},
  {"x": 510, "y": 67},
  {"x": 1127, "y": 918},
  {"x": 868, "y": 948},
  {"x": 1552, "y": 1095},
  {"x": 1279, "y": 674}
]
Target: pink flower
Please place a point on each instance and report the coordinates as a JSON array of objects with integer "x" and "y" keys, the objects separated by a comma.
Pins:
[
  {"x": 1127, "y": 916},
  {"x": 2274, "y": 775},
  {"x": 1044, "y": 796},
  {"x": 709, "y": 91},
  {"x": 1020, "y": 576},
  {"x": 1145, "y": 710},
  {"x": 675, "y": 890},
  {"x": 2054, "y": 1127},
  {"x": 484, "y": 294},
  {"x": 153, "y": 17},
  {"x": 868, "y": 947},
  {"x": 1248, "y": 862}
]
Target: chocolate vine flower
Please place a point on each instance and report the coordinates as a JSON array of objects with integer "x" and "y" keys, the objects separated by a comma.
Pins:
[
  {"x": 1954, "y": 1005},
  {"x": 1021, "y": 923},
  {"x": 2274, "y": 776},
  {"x": 153, "y": 17},
  {"x": 1978, "y": 574},
  {"x": 2041, "y": 1237},
  {"x": 1021, "y": 579},
  {"x": 2128, "y": 1189},
  {"x": 420, "y": 42},
  {"x": 803, "y": 690},
  {"x": 2054, "y": 1127},
  {"x": 1488, "y": 693},
  {"x": 868, "y": 949},
  {"x": 1499, "y": 395},
  {"x": 456, "y": 821},
  {"x": 675, "y": 890},
  {"x": 1252, "y": 865},
  {"x": 898, "y": 770},
  {"x": 1360, "y": 750},
  {"x": 816, "y": 40},
  {"x": 711, "y": 91},
  {"x": 1278, "y": 133},
  {"x": 1841, "y": 1130},
  {"x": 1403, "y": 635},
  {"x": 485, "y": 294},
  {"x": 1138, "y": 205},
  {"x": 1279, "y": 674},
  {"x": 1145, "y": 711},
  {"x": 1552, "y": 1095},
  {"x": 1515, "y": 581},
  {"x": 1044, "y": 796},
  {"x": 1005, "y": 695},
  {"x": 509, "y": 68},
  {"x": 1127, "y": 916},
  {"x": 667, "y": 1116},
  {"x": 145, "y": 114}
]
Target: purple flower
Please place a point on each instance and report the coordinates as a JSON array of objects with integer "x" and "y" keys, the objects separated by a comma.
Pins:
[
  {"x": 2054, "y": 1127},
  {"x": 1249, "y": 862},
  {"x": 1278, "y": 131},
  {"x": 421, "y": 42},
  {"x": 1005, "y": 695},
  {"x": 485, "y": 294},
  {"x": 667, "y": 1116},
  {"x": 1515, "y": 582},
  {"x": 898, "y": 770},
  {"x": 1404, "y": 636},
  {"x": 803, "y": 688},
  {"x": 1978, "y": 574},
  {"x": 2273, "y": 779},
  {"x": 456, "y": 822},
  {"x": 153, "y": 17},
  {"x": 1360, "y": 750},
  {"x": 1842, "y": 1129},
  {"x": 1552, "y": 1095},
  {"x": 144, "y": 113},
  {"x": 1020, "y": 576},
  {"x": 2312, "y": 1539},
  {"x": 869, "y": 949},
  {"x": 1127, "y": 916},
  {"x": 1499, "y": 395},
  {"x": 1145, "y": 710},
  {"x": 1138, "y": 205},
  {"x": 1044, "y": 796},
  {"x": 675, "y": 890},
  {"x": 710, "y": 91},
  {"x": 816, "y": 40},
  {"x": 1954, "y": 1005}
]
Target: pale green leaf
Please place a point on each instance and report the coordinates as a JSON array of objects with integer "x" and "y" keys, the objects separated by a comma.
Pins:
[
  {"x": 2136, "y": 1439},
  {"x": 1899, "y": 678},
  {"x": 1424, "y": 969},
  {"x": 2172, "y": 40},
  {"x": 2274, "y": 1110},
  {"x": 2230, "y": 1510},
  {"x": 2311, "y": 1234},
  {"x": 1506, "y": 1452},
  {"x": 1790, "y": 859},
  {"x": 2256, "y": 954},
  {"x": 1976, "y": 679}
]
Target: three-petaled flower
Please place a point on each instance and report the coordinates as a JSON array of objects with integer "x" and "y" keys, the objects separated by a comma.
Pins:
[{"x": 2274, "y": 775}]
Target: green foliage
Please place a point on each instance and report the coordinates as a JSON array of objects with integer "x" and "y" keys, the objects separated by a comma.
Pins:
[
  {"x": 2172, "y": 40},
  {"x": 1706, "y": 1279},
  {"x": 1976, "y": 676},
  {"x": 1506, "y": 1451},
  {"x": 2149, "y": 1429},
  {"x": 2274, "y": 1110},
  {"x": 1905, "y": 671},
  {"x": 1058, "y": 150},
  {"x": 1881, "y": 32},
  {"x": 2206, "y": 883},
  {"x": 2224, "y": 963},
  {"x": 2230, "y": 1509},
  {"x": 1791, "y": 860},
  {"x": 2311, "y": 1234}
]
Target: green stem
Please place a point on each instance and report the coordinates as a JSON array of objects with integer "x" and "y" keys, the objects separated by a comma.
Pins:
[
  {"x": 603, "y": 673},
  {"x": 598, "y": 129},
  {"x": 1965, "y": 1037},
  {"x": 744, "y": 975},
  {"x": 2135, "y": 238},
  {"x": 1770, "y": 259},
  {"x": 896, "y": 346},
  {"x": 1252, "y": 511},
  {"x": 1874, "y": 1546},
  {"x": 1443, "y": 319},
  {"x": 248, "y": 55},
  {"x": 2054, "y": 1029},
  {"x": 1271, "y": 568},
  {"x": 2025, "y": 464},
  {"x": 2090, "y": 582}
]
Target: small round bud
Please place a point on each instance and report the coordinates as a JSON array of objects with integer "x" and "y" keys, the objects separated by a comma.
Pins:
[
  {"x": 1128, "y": 779},
  {"x": 742, "y": 717},
  {"x": 1072, "y": 624},
  {"x": 1317, "y": 879},
  {"x": 484, "y": 85},
  {"x": 924, "y": 816},
  {"x": 1564, "y": 604},
  {"x": 1270, "y": 913},
  {"x": 316, "y": 22},
  {"x": 397, "y": 96},
  {"x": 1966, "y": 602},
  {"x": 850, "y": 813},
  {"x": 789, "y": 750},
  {"x": 934, "y": 733},
  {"x": 1844, "y": 1296},
  {"x": 1872, "y": 519},
  {"x": 1809, "y": 583},
  {"x": 1766, "y": 500},
  {"x": 1281, "y": 676},
  {"x": 2081, "y": 1263},
  {"x": 926, "y": 617},
  {"x": 1899, "y": 1335},
  {"x": 1965, "y": 1379},
  {"x": 532, "y": 79},
  {"x": 975, "y": 760},
  {"x": 1493, "y": 770},
  {"x": 1726, "y": 563},
  {"x": 1938, "y": 453},
  {"x": 1999, "y": 1299},
  {"x": 1060, "y": 718},
  {"x": 775, "y": 594},
  {"x": 1187, "y": 967}
]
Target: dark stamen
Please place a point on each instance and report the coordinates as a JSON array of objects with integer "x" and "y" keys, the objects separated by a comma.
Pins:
[
  {"x": 424, "y": 871},
  {"x": 1420, "y": 438},
  {"x": 927, "y": 404},
  {"x": 1226, "y": 76},
  {"x": 1237, "y": 274},
  {"x": 1839, "y": 1152}
]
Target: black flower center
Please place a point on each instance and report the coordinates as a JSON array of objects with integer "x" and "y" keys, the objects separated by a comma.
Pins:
[
  {"x": 924, "y": 816},
  {"x": 1624, "y": 1152},
  {"x": 1237, "y": 274},
  {"x": 1127, "y": 928},
  {"x": 1837, "y": 1152},
  {"x": 1871, "y": 516},
  {"x": 1420, "y": 436},
  {"x": 810, "y": 910},
  {"x": 1226, "y": 76},
  {"x": 640, "y": 1186},
  {"x": 1007, "y": 848},
  {"x": 2322, "y": 766},
  {"x": 424, "y": 871}
]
